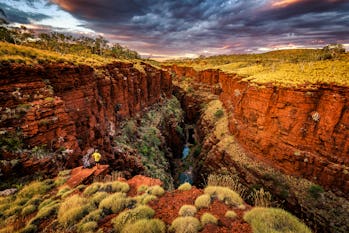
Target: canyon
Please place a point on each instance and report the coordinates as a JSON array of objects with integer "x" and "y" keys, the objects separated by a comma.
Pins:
[
  {"x": 293, "y": 133},
  {"x": 302, "y": 131}
]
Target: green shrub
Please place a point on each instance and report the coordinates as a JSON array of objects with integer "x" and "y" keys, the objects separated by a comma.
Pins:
[
  {"x": 145, "y": 226},
  {"x": 230, "y": 214},
  {"x": 207, "y": 218},
  {"x": 156, "y": 190},
  {"x": 315, "y": 191},
  {"x": 203, "y": 201},
  {"x": 197, "y": 151},
  {"x": 185, "y": 224},
  {"x": 187, "y": 210},
  {"x": 184, "y": 187},
  {"x": 274, "y": 220},
  {"x": 11, "y": 141},
  {"x": 224, "y": 194},
  {"x": 73, "y": 209},
  {"x": 88, "y": 227},
  {"x": 130, "y": 129},
  {"x": 28, "y": 210},
  {"x": 131, "y": 216},
  {"x": 115, "y": 203}
]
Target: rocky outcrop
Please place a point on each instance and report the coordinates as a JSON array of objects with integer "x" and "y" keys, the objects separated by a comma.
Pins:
[
  {"x": 302, "y": 131},
  {"x": 68, "y": 109}
]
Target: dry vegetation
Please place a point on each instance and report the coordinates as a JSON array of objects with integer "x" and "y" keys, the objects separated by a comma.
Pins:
[
  {"x": 284, "y": 67},
  {"x": 41, "y": 207}
]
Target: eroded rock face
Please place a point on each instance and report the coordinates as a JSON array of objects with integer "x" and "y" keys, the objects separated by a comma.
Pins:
[
  {"x": 73, "y": 108},
  {"x": 302, "y": 131}
]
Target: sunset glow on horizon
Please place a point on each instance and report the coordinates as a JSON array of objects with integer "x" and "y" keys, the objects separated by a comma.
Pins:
[{"x": 191, "y": 28}]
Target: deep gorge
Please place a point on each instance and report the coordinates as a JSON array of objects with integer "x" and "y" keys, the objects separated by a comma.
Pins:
[{"x": 266, "y": 136}]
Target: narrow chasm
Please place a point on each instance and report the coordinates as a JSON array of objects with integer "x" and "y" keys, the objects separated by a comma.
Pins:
[
  {"x": 151, "y": 142},
  {"x": 161, "y": 142}
]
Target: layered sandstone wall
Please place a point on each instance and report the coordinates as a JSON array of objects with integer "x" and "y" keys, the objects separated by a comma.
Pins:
[
  {"x": 302, "y": 131},
  {"x": 73, "y": 108}
]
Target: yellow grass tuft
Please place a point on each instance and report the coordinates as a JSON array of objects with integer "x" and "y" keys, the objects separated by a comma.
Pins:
[
  {"x": 73, "y": 209},
  {"x": 115, "y": 203},
  {"x": 156, "y": 190},
  {"x": 187, "y": 210},
  {"x": 224, "y": 194},
  {"x": 185, "y": 224},
  {"x": 184, "y": 187},
  {"x": 274, "y": 220},
  {"x": 203, "y": 201},
  {"x": 131, "y": 216},
  {"x": 230, "y": 214},
  {"x": 35, "y": 188},
  {"x": 207, "y": 218},
  {"x": 88, "y": 227},
  {"x": 145, "y": 226}
]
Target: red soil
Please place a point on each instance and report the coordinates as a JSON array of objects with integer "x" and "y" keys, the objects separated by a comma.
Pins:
[{"x": 167, "y": 208}]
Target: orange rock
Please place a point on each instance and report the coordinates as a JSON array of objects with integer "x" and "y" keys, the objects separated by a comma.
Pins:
[{"x": 302, "y": 131}]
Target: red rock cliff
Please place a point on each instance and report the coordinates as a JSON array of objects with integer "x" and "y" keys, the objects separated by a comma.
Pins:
[
  {"x": 302, "y": 131},
  {"x": 74, "y": 108}
]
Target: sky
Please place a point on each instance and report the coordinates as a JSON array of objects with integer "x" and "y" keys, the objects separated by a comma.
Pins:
[{"x": 189, "y": 28}]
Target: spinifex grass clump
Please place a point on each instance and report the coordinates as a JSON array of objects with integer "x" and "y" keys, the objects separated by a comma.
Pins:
[
  {"x": 131, "y": 216},
  {"x": 187, "y": 210},
  {"x": 203, "y": 201},
  {"x": 185, "y": 224},
  {"x": 73, "y": 209},
  {"x": 274, "y": 220},
  {"x": 184, "y": 187},
  {"x": 115, "y": 203},
  {"x": 145, "y": 226},
  {"x": 224, "y": 194},
  {"x": 208, "y": 218}
]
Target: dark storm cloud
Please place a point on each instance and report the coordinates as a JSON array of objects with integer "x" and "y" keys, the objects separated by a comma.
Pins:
[
  {"x": 219, "y": 26},
  {"x": 20, "y": 16}
]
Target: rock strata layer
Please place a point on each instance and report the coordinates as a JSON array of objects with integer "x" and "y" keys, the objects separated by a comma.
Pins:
[
  {"x": 302, "y": 131},
  {"x": 70, "y": 109}
]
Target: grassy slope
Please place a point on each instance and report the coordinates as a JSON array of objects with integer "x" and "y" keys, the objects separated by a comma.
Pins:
[
  {"x": 31, "y": 56},
  {"x": 50, "y": 205},
  {"x": 285, "y": 68}
]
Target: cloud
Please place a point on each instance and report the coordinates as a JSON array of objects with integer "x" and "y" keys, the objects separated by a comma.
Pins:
[
  {"x": 216, "y": 26},
  {"x": 20, "y": 16}
]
